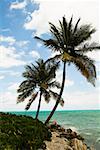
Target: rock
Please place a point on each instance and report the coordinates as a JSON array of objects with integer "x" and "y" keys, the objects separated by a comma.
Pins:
[
  {"x": 92, "y": 148},
  {"x": 64, "y": 139},
  {"x": 73, "y": 134},
  {"x": 57, "y": 143},
  {"x": 79, "y": 137},
  {"x": 69, "y": 131},
  {"x": 69, "y": 134},
  {"x": 78, "y": 144},
  {"x": 54, "y": 127},
  {"x": 61, "y": 143}
]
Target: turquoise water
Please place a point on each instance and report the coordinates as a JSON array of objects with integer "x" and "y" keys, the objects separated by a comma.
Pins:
[{"x": 86, "y": 122}]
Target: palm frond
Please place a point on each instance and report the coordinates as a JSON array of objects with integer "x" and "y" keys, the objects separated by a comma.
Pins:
[
  {"x": 70, "y": 24},
  {"x": 24, "y": 95},
  {"x": 76, "y": 26},
  {"x": 69, "y": 34},
  {"x": 51, "y": 68},
  {"x": 86, "y": 66},
  {"x": 55, "y": 96},
  {"x": 25, "y": 82},
  {"x": 40, "y": 62},
  {"x": 38, "y": 38},
  {"x": 46, "y": 95},
  {"x": 61, "y": 102},
  {"x": 51, "y": 43},
  {"x": 64, "y": 31},
  {"x": 56, "y": 33},
  {"x": 52, "y": 71},
  {"x": 25, "y": 85},
  {"x": 54, "y": 84},
  {"x": 29, "y": 69},
  {"x": 33, "y": 97},
  {"x": 27, "y": 75},
  {"x": 82, "y": 34},
  {"x": 88, "y": 48},
  {"x": 30, "y": 72},
  {"x": 53, "y": 59}
]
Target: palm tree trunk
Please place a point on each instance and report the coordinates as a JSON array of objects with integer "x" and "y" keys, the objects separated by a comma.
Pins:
[
  {"x": 37, "y": 113},
  {"x": 60, "y": 94}
]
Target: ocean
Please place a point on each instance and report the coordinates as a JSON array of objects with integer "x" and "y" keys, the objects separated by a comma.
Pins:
[{"x": 85, "y": 122}]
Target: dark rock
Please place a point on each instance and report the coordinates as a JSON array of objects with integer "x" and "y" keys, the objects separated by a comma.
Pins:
[{"x": 69, "y": 130}]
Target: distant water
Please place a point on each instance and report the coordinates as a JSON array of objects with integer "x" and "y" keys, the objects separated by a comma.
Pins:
[{"x": 85, "y": 122}]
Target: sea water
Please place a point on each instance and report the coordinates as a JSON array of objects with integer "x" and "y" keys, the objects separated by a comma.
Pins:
[{"x": 85, "y": 122}]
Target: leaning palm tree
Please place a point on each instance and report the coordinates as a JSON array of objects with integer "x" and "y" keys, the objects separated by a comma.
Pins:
[
  {"x": 71, "y": 43},
  {"x": 39, "y": 79}
]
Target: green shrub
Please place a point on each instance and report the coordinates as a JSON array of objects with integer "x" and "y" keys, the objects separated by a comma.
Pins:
[{"x": 22, "y": 133}]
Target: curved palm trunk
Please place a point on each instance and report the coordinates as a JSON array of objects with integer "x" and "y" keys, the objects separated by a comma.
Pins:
[
  {"x": 37, "y": 113},
  {"x": 60, "y": 94}
]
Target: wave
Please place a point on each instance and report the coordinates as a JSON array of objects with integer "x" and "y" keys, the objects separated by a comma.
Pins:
[
  {"x": 73, "y": 128},
  {"x": 98, "y": 140}
]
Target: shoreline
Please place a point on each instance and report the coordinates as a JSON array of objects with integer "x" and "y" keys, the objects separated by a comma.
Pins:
[
  {"x": 62, "y": 137},
  {"x": 65, "y": 139},
  {"x": 77, "y": 110}
]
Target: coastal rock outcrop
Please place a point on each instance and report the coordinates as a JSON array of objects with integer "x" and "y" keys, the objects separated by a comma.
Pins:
[
  {"x": 57, "y": 143},
  {"x": 63, "y": 139},
  {"x": 78, "y": 144}
]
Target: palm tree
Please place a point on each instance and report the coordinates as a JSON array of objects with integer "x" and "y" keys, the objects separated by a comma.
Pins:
[
  {"x": 39, "y": 79},
  {"x": 71, "y": 43}
]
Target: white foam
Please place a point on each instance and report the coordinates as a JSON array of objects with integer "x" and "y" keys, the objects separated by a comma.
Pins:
[
  {"x": 73, "y": 128},
  {"x": 98, "y": 140},
  {"x": 87, "y": 133}
]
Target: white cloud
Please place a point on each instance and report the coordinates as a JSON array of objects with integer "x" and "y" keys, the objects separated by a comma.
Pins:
[
  {"x": 82, "y": 100},
  {"x": 22, "y": 43},
  {"x": 13, "y": 73},
  {"x": 9, "y": 39},
  {"x": 95, "y": 55},
  {"x": 98, "y": 78},
  {"x": 9, "y": 57},
  {"x": 8, "y": 101},
  {"x": 18, "y": 5},
  {"x": 54, "y": 53},
  {"x": 39, "y": 45},
  {"x": 34, "y": 54},
  {"x": 68, "y": 82},
  {"x": 13, "y": 86},
  {"x": 5, "y": 30},
  {"x": 7, "y": 96},
  {"x": 52, "y": 11},
  {"x": 10, "y": 72},
  {"x": 98, "y": 67},
  {"x": 2, "y": 77}
]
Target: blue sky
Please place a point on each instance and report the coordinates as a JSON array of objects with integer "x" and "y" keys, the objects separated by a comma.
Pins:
[{"x": 20, "y": 21}]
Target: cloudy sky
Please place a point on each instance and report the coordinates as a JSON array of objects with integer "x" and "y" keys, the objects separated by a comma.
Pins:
[{"x": 20, "y": 21}]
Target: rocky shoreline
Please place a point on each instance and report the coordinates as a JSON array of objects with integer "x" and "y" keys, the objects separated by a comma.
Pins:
[
  {"x": 65, "y": 139},
  {"x": 31, "y": 134}
]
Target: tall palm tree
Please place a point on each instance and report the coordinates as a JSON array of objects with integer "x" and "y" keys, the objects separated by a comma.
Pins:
[
  {"x": 39, "y": 79},
  {"x": 71, "y": 43}
]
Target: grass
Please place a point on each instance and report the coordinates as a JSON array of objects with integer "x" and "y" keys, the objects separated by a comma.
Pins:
[{"x": 22, "y": 133}]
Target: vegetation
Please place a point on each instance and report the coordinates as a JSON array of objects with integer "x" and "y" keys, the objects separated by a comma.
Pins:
[
  {"x": 22, "y": 133},
  {"x": 39, "y": 79},
  {"x": 72, "y": 44}
]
